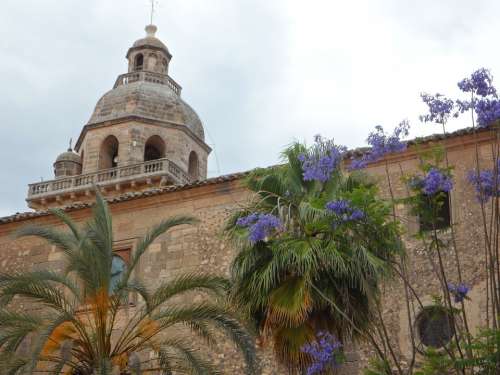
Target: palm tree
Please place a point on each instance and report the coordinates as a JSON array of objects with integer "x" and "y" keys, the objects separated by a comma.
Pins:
[
  {"x": 317, "y": 271},
  {"x": 73, "y": 324}
]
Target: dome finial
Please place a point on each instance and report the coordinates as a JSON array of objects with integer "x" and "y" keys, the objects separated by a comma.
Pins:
[
  {"x": 151, "y": 30},
  {"x": 70, "y": 149}
]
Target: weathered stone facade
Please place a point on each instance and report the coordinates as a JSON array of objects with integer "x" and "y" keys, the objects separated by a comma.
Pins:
[{"x": 137, "y": 205}]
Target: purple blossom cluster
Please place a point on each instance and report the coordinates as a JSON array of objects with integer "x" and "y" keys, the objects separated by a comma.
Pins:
[
  {"x": 259, "y": 226},
  {"x": 487, "y": 107},
  {"x": 344, "y": 211},
  {"x": 485, "y": 183},
  {"x": 321, "y": 160},
  {"x": 382, "y": 144},
  {"x": 487, "y": 111},
  {"x": 458, "y": 291},
  {"x": 325, "y": 353},
  {"x": 484, "y": 101},
  {"x": 440, "y": 108},
  {"x": 436, "y": 181},
  {"x": 479, "y": 83}
]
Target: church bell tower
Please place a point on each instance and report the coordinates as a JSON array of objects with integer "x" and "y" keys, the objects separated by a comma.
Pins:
[{"x": 141, "y": 136}]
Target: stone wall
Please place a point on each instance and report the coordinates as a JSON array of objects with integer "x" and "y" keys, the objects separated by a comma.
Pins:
[{"x": 201, "y": 247}]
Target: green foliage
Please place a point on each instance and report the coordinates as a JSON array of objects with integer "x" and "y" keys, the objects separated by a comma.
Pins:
[
  {"x": 485, "y": 348},
  {"x": 72, "y": 324},
  {"x": 311, "y": 276},
  {"x": 436, "y": 363},
  {"x": 378, "y": 367},
  {"x": 483, "y": 357}
]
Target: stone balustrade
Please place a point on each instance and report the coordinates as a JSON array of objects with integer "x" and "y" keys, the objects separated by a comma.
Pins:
[
  {"x": 161, "y": 79},
  {"x": 160, "y": 167}
]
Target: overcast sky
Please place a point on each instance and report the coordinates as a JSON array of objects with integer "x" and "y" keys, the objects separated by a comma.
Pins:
[{"x": 260, "y": 73}]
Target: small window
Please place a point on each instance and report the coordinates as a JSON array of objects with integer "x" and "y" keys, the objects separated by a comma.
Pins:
[
  {"x": 435, "y": 327},
  {"x": 118, "y": 268},
  {"x": 441, "y": 219},
  {"x": 139, "y": 62}
]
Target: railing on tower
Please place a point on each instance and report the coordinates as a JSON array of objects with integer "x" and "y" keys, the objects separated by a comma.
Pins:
[
  {"x": 161, "y": 79},
  {"x": 148, "y": 169}
]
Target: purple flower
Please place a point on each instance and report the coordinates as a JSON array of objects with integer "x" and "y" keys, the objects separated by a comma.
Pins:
[
  {"x": 382, "y": 144},
  {"x": 359, "y": 163},
  {"x": 436, "y": 181},
  {"x": 485, "y": 183},
  {"x": 479, "y": 83},
  {"x": 321, "y": 160},
  {"x": 344, "y": 211},
  {"x": 247, "y": 220},
  {"x": 440, "y": 108},
  {"x": 259, "y": 226},
  {"x": 458, "y": 291},
  {"x": 487, "y": 111},
  {"x": 463, "y": 106},
  {"x": 325, "y": 353}
]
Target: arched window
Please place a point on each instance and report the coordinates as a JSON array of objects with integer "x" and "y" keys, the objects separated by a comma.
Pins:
[
  {"x": 139, "y": 61},
  {"x": 154, "y": 148},
  {"x": 118, "y": 268},
  {"x": 108, "y": 156},
  {"x": 194, "y": 166}
]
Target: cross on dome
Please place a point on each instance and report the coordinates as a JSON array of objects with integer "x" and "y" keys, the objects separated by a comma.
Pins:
[{"x": 153, "y": 9}]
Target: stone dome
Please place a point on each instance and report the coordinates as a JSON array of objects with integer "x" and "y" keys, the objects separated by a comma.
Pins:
[
  {"x": 70, "y": 156},
  {"x": 150, "y": 41},
  {"x": 68, "y": 164},
  {"x": 148, "y": 100}
]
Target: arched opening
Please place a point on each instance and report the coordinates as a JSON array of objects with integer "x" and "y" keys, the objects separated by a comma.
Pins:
[
  {"x": 108, "y": 156},
  {"x": 154, "y": 148},
  {"x": 194, "y": 166},
  {"x": 139, "y": 61}
]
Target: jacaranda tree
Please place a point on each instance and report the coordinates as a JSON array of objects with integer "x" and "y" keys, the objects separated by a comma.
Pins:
[
  {"x": 313, "y": 246},
  {"x": 70, "y": 320}
]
